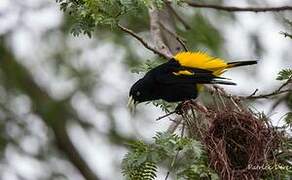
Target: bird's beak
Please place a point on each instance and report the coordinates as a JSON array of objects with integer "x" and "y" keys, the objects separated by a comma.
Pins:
[{"x": 132, "y": 104}]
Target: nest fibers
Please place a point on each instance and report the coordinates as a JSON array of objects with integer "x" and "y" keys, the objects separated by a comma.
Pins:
[{"x": 239, "y": 144}]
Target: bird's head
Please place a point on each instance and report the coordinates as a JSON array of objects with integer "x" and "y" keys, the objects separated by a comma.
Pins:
[{"x": 139, "y": 92}]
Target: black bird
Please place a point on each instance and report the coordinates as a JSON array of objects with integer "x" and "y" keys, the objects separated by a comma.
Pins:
[{"x": 181, "y": 78}]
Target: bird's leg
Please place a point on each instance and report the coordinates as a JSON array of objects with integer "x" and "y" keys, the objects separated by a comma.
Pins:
[
  {"x": 180, "y": 108},
  {"x": 183, "y": 106}
]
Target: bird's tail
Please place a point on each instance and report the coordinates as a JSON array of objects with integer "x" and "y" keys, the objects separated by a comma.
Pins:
[
  {"x": 240, "y": 63},
  {"x": 217, "y": 81},
  {"x": 214, "y": 79}
]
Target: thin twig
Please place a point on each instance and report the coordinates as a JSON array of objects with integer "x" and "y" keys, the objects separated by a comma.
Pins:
[
  {"x": 177, "y": 37},
  {"x": 176, "y": 155},
  {"x": 285, "y": 84},
  {"x": 286, "y": 34},
  {"x": 239, "y": 9},
  {"x": 173, "y": 126},
  {"x": 262, "y": 96},
  {"x": 220, "y": 92},
  {"x": 235, "y": 104},
  {"x": 274, "y": 93},
  {"x": 254, "y": 93},
  {"x": 276, "y": 104},
  {"x": 166, "y": 177},
  {"x": 184, "y": 23},
  {"x": 145, "y": 44},
  {"x": 166, "y": 115}
]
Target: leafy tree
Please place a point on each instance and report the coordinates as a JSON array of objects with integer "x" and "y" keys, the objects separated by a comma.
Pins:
[
  {"x": 202, "y": 143},
  {"x": 142, "y": 160}
]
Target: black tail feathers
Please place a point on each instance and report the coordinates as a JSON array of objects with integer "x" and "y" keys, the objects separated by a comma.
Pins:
[
  {"x": 241, "y": 63},
  {"x": 217, "y": 81}
]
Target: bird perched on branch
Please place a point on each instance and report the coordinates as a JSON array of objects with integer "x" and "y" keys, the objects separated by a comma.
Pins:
[{"x": 181, "y": 78}]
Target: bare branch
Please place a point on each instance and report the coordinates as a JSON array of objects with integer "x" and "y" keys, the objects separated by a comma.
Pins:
[
  {"x": 239, "y": 9},
  {"x": 177, "y": 37},
  {"x": 286, "y": 34},
  {"x": 164, "y": 40},
  {"x": 289, "y": 80},
  {"x": 222, "y": 93},
  {"x": 56, "y": 112},
  {"x": 66, "y": 146},
  {"x": 178, "y": 17},
  {"x": 145, "y": 44},
  {"x": 254, "y": 93},
  {"x": 278, "y": 91},
  {"x": 156, "y": 31},
  {"x": 268, "y": 95}
]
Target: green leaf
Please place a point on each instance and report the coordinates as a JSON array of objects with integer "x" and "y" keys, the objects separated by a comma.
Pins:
[
  {"x": 141, "y": 161},
  {"x": 98, "y": 13},
  {"x": 284, "y": 74},
  {"x": 287, "y": 21},
  {"x": 145, "y": 67},
  {"x": 288, "y": 119}
]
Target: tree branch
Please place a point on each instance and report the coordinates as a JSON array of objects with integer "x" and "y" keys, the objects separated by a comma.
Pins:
[
  {"x": 54, "y": 113},
  {"x": 239, "y": 9},
  {"x": 286, "y": 34},
  {"x": 162, "y": 28},
  {"x": 214, "y": 89},
  {"x": 156, "y": 31},
  {"x": 177, "y": 37},
  {"x": 172, "y": 10},
  {"x": 144, "y": 43},
  {"x": 274, "y": 93}
]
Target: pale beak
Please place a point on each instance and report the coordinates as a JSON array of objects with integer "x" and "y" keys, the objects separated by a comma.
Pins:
[{"x": 132, "y": 104}]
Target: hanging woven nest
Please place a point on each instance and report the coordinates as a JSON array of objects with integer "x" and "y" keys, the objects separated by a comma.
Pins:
[{"x": 238, "y": 142}]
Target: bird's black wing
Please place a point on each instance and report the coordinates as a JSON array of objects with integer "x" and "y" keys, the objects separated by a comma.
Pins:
[{"x": 168, "y": 75}]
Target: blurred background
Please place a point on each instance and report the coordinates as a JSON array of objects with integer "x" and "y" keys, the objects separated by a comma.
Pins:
[{"x": 63, "y": 98}]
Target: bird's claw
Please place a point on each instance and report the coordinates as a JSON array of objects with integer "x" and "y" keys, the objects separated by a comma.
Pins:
[{"x": 183, "y": 106}]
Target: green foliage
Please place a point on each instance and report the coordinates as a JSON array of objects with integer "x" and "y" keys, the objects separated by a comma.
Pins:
[
  {"x": 90, "y": 14},
  {"x": 197, "y": 171},
  {"x": 136, "y": 164},
  {"x": 164, "y": 105},
  {"x": 143, "y": 159},
  {"x": 145, "y": 67},
  {"x": 278, "y": 171},
  {"x": 289, "y": 23},
  {"x": 288, "y": 119},
  {"x": 284, "y": 74}
]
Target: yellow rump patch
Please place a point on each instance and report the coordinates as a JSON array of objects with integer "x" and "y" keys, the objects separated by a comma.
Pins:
[
  {"x": 201, "y": 60},
  {"x": 200, "y": 87}
]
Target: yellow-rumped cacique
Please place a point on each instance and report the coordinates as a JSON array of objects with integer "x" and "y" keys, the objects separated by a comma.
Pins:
[{"x": 181, "y": 78}]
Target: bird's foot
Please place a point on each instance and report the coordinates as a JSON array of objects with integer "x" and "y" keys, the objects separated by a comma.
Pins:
[{"x": 184, "y": 106}]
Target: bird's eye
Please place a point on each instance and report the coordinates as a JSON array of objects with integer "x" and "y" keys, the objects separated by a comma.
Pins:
[{"x": 138, "y": 93}]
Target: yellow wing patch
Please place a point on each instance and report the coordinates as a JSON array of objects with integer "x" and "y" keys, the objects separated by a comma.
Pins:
[
  {"x": 185, "y": 72},
  {"x": 201, "y": 60}
]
